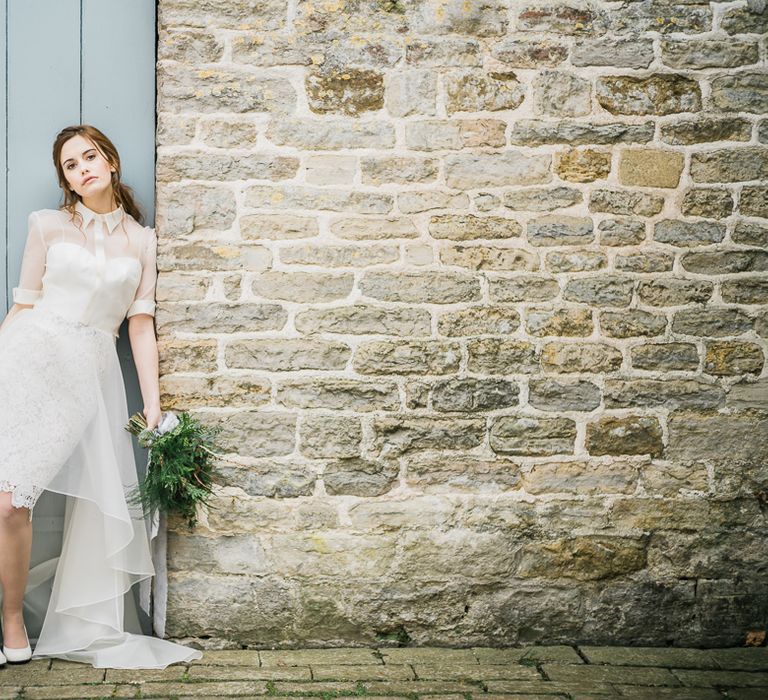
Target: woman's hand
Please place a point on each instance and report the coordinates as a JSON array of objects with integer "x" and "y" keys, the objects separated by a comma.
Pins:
[{"x": 152, "y": 414}]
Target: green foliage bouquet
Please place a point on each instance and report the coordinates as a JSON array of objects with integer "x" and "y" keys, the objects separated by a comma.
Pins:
[{"x": 180, "y": 467}]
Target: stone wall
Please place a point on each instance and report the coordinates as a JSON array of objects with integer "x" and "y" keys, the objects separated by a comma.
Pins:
[{"x": 478, "y": 292}]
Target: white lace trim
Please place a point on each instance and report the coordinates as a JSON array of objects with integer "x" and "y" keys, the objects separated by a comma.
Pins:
[{"x": 22, "y": 497}]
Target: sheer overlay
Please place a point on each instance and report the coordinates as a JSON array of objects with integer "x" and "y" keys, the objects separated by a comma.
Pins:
[{"x": 63, "y": 410}]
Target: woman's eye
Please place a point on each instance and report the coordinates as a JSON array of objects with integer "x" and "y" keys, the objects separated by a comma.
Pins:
[{"x": 91, "y": 156}]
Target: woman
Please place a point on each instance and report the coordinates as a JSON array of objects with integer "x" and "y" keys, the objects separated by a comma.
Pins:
[{"x": 86, "y": 266}]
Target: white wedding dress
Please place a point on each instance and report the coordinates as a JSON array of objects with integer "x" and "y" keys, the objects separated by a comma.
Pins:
[{"x": 63, "y": 411}]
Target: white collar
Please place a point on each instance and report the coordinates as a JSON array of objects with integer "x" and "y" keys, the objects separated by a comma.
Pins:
[{"x": 112, "y": 218}]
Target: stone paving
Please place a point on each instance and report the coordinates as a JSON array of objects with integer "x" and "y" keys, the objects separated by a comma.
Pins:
[{"x": 537, "y": 672}]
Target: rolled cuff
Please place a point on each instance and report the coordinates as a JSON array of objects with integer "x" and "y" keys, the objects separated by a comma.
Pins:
[
  {"x": 26, "y": 296},
  {"x": 141, "y": 306}
]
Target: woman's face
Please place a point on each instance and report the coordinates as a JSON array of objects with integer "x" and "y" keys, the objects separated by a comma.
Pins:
[{"x": 86, "y": 170}]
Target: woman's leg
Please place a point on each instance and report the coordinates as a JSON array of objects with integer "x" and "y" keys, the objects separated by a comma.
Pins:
[{"x": 15, "y": 553}]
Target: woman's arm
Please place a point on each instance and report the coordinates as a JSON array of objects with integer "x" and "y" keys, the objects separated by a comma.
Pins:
[
  {"x": 141, "y": 332},
  {"x": 12, "y": 312}
]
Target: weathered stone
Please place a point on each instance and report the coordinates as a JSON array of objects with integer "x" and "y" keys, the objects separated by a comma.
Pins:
[
  {"x": 479, "y": 320},
  {"x": 542, "y": 199},
  {"x": 749, "y": 393},
  {"x": 529, "y": 132},
  {"x": 625, "y": 202},
  {"x": 754, "y": 201},
  {"x": 735, "y": 438},
  {"x": 560, "y": 230},
  {"x": 360, "y": 477},
  {"x": 301, "y": 197},
  {"x": 560, "y": 94},
  {"x": 371, "y": 228},
  {"x": 732, "y": 358},
  {"x": 218, "y": 167},
  {"x": 466, "y": 227},
  {"x": 455, "y": 134},
  {"x": 591, "y": 558},
  {"x": 561, "y": 18},
  {"x": 647, "y": 261},
  {"x": 277, "y": 227},
  {"x": 468, "y": 171},
  {"x": 417, "y": 202},
  {"x": 330, "y": 435},
  {"x": 657, "y": 94},
  {"x": 744, "y": 20},
  {"x": 673, "y": 291},
  {"x": 582, "y": 478},
  {"x": 650, "y": 168},
  {"x": 472, "y": 91},
  {"x": 745, "y": 291},
  {"x": 741, "y": 92},
  {"x": 704, "y": 129},
  {"x": 182, "y": 209},
  {"x": 567, "y": 321},
  {"x": 407, "y": 357},
  {"x": 583, "y": 165},
  {"x": 330, "y": 169},
  {"x": 212, "y": 255},
  {"x": 721, "y": 262},
  {"x": 575, "y": 261},
  {"x": 184, "y": 392},
  {"x": 663, "y": 16},
  {"x": 330, "y": 133},
  {"x": 497, "y": 356},
  {"x": 695, "y": 54},
  {"x": 302, "y": 286},
  {"x": 687, "y": 234},
  {"x": 580, "y": 357},
  {"x": 401, "y": 434},
  {"x": 183, "y": 89},
  {"x": 214, "y": 317},
  {"x": 632, "y": 323},
  {"x": 435, "y": 287},
  {"x": 411, "y": 92},
  {"x": 177, "y": 355},
  {"x": 269, "y": 15},
  {"x": 339, "y": 394},
  {"x": 612, "y": 51},
  {"x": 523, "y": 288},
  {"x": 665, "y": 357},
  {"x": 254, "y": 433},
  {"x": 747, "y": 233},
  {"x": 347, "y": 91},
  {"x": 730, "y": 165},
  {"x": 189, "y": 46},
  {"x": 398, "y": 170},
  {"x": 625, "y": 435},
  {"x": 603, "y": 290},
  {"x": 175, "y": 129},
  {"x": 672, "y": 393},
  {"x": 361, "y": 319},
  {"x": 529, "y": 53},
  {"x": 464, "y": 473},
  {"x": 474, "y": 394},
  {"x": 562, "y": 395},
  {"x": 711, "y": 322},
  {"x": 478, "y": 257},
  {"x": 443, "y": 51},
  {"x": 621, "y": 232},
  {"x": 339, "y": 256},
  {"x": 270, "y": 479},
  {"x": 712, "y": 203},
  {"x": 286, "y": 354},
  {"x": 181, "y": 286},
  {"x": 532, "y": 435},
  {"x": 418, "y": 254},
  {"x": 229, "y": 132}
]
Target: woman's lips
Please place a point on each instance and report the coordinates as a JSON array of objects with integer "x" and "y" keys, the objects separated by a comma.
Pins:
[{"x": 90, "y": 179}]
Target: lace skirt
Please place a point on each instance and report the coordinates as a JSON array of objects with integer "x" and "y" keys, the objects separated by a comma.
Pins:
[{"x": 63, "y": 411}]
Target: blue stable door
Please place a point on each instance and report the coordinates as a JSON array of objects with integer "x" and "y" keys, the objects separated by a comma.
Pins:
[{"x": 65, "y": 62}]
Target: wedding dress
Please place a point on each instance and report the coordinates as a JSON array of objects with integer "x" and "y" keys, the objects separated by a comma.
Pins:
[{"x": 63, "y": 411}]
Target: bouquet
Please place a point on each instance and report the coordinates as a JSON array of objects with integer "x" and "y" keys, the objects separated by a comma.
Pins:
[{"x": 179, "y": 470}]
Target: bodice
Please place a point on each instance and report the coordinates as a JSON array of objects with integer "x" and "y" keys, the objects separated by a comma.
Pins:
[{"x": 88, "y": 288}]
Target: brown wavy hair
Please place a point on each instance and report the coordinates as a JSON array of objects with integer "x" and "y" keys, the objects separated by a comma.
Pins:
[{"x": 123, "y": 195}]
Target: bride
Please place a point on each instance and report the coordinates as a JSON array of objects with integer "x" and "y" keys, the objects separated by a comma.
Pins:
[{"x": 86, "y": 266}]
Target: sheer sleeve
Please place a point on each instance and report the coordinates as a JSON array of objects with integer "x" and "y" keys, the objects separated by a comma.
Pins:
[
  {"x": 32, "y": 264},
  {"x": 144, "y": 300}
]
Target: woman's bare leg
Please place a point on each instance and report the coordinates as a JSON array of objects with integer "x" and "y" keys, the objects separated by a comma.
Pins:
[{"x": 15, "y": 552}]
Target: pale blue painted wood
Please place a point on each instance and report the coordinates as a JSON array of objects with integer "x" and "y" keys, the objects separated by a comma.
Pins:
[
  {"x": 71, "y": 62},
  {"x": 3, "y": 180}
]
